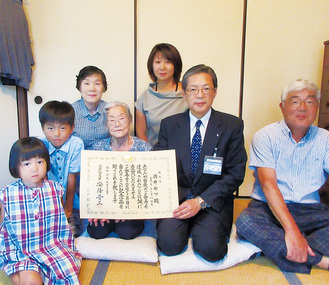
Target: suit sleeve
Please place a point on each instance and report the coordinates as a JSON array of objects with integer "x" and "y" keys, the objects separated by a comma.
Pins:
[{"x": 233, "y": 171}]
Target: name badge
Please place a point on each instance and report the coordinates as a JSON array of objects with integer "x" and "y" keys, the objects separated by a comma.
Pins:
[{"x": 212, "y": 165}]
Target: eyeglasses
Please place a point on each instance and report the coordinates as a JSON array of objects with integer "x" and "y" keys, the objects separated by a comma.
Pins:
[
  {"x": 194, "y": 91},
  {"x": 295, "y": 102},
  {"x": 121, "y": 120}
]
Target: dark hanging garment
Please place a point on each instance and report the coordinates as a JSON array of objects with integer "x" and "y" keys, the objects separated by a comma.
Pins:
[{"x": 16, "y": 57}]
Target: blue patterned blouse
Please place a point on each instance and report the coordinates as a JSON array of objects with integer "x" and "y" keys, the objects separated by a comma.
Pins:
[
  {"x": 90, "y": 128},
  {"x": 138, "y": 145}
]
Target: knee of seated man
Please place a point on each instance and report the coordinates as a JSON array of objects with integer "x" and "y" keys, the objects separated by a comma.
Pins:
[
  {"x": 169, "y": 247},
  {"x": 243, "y": 222},
  {"x": 212, "y": 254},
  {"x": 211, "y": 247},
  {"x": 240, "y": 221}
]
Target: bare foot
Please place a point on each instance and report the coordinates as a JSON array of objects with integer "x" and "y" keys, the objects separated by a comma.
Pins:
[{"x": 324, "y": 263}]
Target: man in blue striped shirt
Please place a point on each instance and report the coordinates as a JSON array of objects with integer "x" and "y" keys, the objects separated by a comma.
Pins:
[{"x": 290, "y": 160}]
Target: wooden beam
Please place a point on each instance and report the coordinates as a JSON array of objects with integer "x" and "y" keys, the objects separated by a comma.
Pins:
[
  {"x": 22, "y": 112},
  {"x": 135, "y": 62}
]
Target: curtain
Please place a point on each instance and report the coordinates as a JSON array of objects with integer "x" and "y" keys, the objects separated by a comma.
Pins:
[{"x": 16, "y": 59}]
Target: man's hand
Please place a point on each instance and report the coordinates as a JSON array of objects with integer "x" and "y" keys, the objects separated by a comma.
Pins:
[
  {"x": 297, "y": 247},
  {"x": 187, "y": 209}
]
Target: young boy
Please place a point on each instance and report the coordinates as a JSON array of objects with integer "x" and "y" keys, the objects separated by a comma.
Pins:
[{"x": 57, "y": 122}]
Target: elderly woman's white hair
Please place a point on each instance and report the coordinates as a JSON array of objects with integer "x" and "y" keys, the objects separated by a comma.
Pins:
[
  {"x": 112, "y": 104},
  {"x": 298, "y": 85}
]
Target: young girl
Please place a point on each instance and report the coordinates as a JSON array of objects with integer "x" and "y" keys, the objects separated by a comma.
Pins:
[
  {"x": 163, "y": 97},
  {"x": 36, "y": 244},
  {"x": 89, "y": 110}
]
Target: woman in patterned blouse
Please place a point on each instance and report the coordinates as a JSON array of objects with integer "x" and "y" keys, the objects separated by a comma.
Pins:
[{"x": 89, "y": 110}]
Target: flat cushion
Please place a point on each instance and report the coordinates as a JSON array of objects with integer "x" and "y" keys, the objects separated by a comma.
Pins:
[
  {"x": 140, "y": 249},
  {"x": 189, "y": 261}
]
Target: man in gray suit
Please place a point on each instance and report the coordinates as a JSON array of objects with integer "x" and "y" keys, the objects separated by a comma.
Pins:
[{"x": 208, "y": 180}]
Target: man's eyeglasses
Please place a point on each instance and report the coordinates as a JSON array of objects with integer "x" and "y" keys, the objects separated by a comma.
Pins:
[
  {"x": 295, "y": 102},
  {"x": 195, "y": 91}
]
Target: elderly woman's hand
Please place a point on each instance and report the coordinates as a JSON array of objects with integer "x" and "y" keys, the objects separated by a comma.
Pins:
[{"x": 95, "y": 221}]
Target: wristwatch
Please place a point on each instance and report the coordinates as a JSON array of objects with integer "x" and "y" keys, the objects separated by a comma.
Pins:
[{"x": 202, "y": 203}]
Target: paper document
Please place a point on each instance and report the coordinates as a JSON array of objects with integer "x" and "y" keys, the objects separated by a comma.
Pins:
[{"x": 128, "y": 185}]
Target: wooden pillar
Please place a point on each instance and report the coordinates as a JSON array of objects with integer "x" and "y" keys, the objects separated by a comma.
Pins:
[
  {"x": 22, "y": 112},
  {"x": 243, "y": 55}
]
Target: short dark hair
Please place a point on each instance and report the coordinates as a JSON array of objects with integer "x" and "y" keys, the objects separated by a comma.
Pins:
[
  {"x": 169, "y": 52},
  {"x": 55, "y": 111},
  {"x": 90, "y": 70},
  {"x": 25, "y": 149},
  {"x": 200, "y": 68}
]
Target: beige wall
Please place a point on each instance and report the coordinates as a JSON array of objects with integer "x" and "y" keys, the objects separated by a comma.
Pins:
[
  {"x": 206, "y": 32},
  {"x": 284, "y": 42},
  {"x": 68, "y": 35}
]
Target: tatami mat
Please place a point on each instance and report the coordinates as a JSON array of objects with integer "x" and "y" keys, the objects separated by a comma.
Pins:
[
  {"x": 257, "y": 271},
  {"x": 317, "y": 277},
  {"x": 4, "y": 279},
  {"x": 87, "y": 271},
  {"x": 251, "y": 272}
]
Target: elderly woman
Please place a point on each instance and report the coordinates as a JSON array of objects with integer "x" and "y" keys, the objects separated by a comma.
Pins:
[{"x": 118, "y": 121}]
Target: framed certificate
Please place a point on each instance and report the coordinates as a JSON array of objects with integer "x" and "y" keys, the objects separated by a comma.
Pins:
[{"x": 128, "y": 185}]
